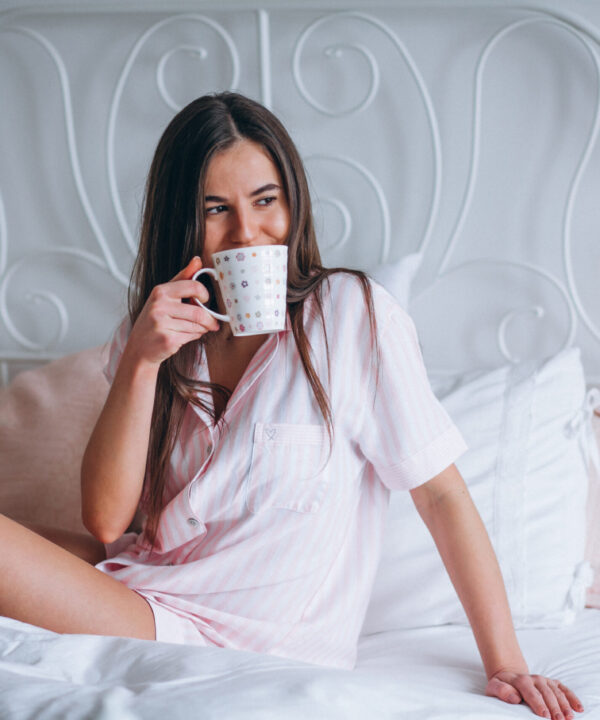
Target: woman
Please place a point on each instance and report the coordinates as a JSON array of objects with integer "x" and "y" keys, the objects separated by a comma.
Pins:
[{"x": 263, "y": 464}]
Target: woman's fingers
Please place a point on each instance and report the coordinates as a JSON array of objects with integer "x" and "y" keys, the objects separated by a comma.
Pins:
[
  {"x": 192, "y": 267},
  {"x": 194, "y": 327},
  {"x": 532, "y": 695},
  {"x": 546, "y": 697},
  {"x": 166, "y": 317},
  {"x": 558, "y": 707},
  {"x": 565, "y": 699},
  {"x": 558, "y": 699},
  {"x": 194, "y": 314},
  {"x": 179, "y": 290},
  {"x": 503, "y": 691},
  {"x": 572, "y": 699}
]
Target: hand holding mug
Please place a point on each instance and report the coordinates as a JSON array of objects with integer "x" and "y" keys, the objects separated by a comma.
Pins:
[{"x": 166, "y": 323}]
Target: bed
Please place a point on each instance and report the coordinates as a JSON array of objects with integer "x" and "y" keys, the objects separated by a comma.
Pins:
[{"x": 452, "y": 153}]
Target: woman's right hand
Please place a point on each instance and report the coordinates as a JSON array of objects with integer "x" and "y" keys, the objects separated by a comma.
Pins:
[{"x": 166, "y": 323}]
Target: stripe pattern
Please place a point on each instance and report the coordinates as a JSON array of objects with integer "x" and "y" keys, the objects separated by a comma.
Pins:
[{"x": 270, "y": 538}]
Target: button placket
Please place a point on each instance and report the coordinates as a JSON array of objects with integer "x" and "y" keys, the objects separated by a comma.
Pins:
[{"x": 254, "y": 371}]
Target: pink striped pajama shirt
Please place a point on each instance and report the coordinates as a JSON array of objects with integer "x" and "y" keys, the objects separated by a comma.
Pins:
[{"x": 268, "y": 541}]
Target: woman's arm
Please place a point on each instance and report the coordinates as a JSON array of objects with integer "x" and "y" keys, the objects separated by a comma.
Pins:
[
  {"x": 447, "y": 509},
  {"x": 112, "y": 471},
  {"x": 114, "y": 462}
]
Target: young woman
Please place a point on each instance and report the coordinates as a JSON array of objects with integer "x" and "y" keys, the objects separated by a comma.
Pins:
[{"x": 262, "y": 464}]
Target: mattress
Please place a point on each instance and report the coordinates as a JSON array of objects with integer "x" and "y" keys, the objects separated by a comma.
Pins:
[{"x": 432, "y": 673}]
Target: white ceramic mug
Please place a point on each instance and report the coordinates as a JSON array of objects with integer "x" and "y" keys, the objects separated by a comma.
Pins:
[{"x": 253, "y": 284}]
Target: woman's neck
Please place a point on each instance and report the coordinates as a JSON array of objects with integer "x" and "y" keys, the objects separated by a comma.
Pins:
[{"x": 227, "y": 358}]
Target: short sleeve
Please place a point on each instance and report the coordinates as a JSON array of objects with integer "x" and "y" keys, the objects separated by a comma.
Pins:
[
  {"x": 115, "y": 349},
  {"x": 406, "y": 433}
]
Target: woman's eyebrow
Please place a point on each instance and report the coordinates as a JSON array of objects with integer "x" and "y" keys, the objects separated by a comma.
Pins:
[
  {"x": 258, "y": 191},
  {"x": 265, "y": 188}
]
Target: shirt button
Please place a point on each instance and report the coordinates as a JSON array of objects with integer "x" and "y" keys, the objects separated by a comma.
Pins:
[{"x": 192, "y": 522}]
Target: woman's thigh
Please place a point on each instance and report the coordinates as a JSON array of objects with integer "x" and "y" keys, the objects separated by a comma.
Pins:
[
  {"x": 46, "y": 585},
  {"x": 81, "y": 544}
]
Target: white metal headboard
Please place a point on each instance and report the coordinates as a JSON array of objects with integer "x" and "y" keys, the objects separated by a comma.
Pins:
[{"x": 467, "y": 131}]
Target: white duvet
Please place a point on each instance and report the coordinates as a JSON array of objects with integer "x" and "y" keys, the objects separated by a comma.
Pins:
[{"x": 431, "y": 673}]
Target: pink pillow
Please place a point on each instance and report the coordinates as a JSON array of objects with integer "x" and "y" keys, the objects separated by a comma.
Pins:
[
  {"x": 46, "y": 418},
  {"x": 592, "y": 551}
]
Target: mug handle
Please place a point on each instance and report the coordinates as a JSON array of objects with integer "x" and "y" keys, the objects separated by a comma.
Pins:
[{"x": 217, "y": 315}]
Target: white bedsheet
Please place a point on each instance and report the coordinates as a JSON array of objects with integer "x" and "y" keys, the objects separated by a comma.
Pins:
[{"x": 431, "y": 673}]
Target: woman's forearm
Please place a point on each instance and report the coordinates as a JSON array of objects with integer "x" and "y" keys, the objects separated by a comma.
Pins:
[
  {"x": 114, "y": 462},
  {"x": 463, "y": 543}
]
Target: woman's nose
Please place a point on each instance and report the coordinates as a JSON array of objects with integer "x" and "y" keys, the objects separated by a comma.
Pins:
[{"x": 247, "y": 228}]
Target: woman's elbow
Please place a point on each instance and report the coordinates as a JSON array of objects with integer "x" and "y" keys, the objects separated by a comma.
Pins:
[
  {"x": 104, "y": 530},
  {"x": 104, "y": 525}
]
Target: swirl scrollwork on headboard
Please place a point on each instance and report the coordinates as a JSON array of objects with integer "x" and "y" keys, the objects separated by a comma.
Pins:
[
  {"x": 337, "y": 52},
  {"x": 414, "y": 124},
  {"x": 332, "y": 244},
  {"x": 567, "y": 290},
  {"x": 196, "y": 51}
]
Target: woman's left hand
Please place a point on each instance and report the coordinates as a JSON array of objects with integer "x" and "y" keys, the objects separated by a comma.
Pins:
[{"x": 546, "y": 697}]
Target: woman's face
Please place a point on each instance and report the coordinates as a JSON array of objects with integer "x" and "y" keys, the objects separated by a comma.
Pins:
[{"x": 244, "y": 200}]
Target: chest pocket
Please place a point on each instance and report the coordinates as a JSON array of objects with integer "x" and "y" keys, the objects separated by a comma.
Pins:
[{"x": 287, "y": 468}]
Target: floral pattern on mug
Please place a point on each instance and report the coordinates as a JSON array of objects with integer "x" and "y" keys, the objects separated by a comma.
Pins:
[{"x": 250, "y": 280}]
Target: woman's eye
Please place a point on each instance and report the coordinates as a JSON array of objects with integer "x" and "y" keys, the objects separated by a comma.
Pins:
[
  {"x": 266, "y": 201},
  {"x": 216, "y": 209}
]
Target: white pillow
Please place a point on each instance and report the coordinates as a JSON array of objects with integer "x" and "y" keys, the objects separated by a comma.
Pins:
[
  {"x": 592, "y": 552},
  {"x": 526, "y": 471},
  {"x": 397, "y": 277}
]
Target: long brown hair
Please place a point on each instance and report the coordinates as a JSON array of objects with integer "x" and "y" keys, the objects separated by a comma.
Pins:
[{"x": 172, "y": 232}]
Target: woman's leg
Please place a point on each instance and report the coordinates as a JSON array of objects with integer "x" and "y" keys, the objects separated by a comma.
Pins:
[
  {"x": 81, "y": 544},
  {"x": 45, "y": 585}
]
